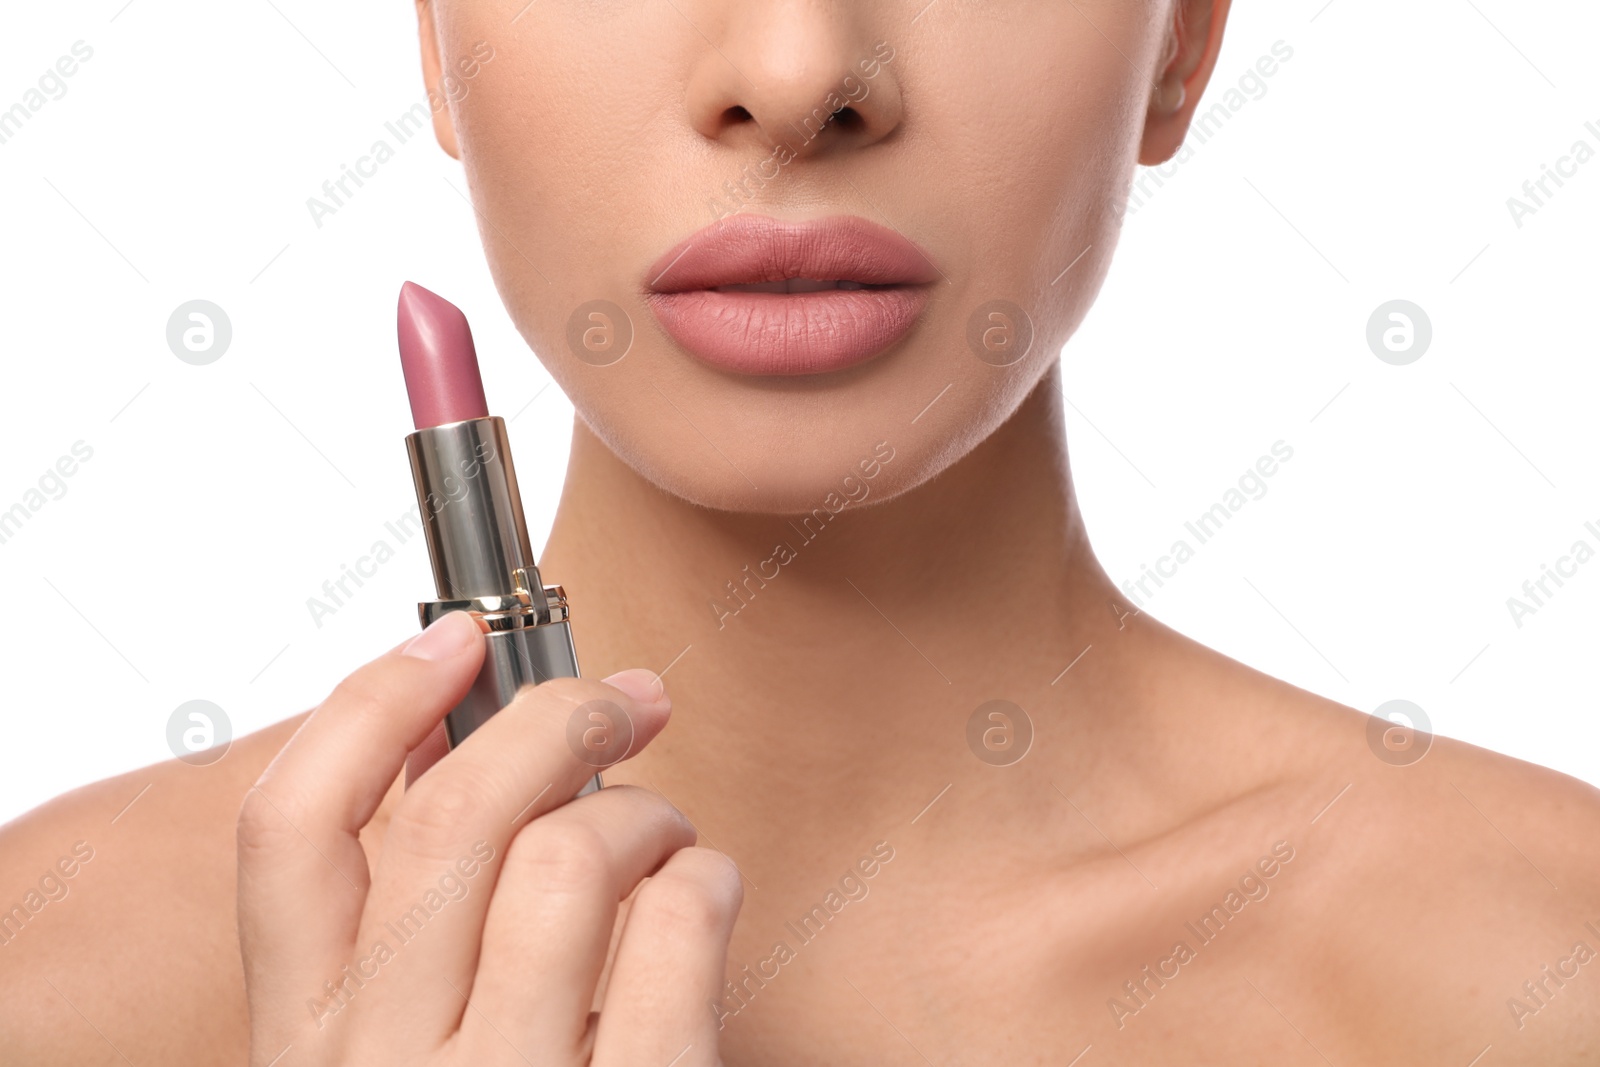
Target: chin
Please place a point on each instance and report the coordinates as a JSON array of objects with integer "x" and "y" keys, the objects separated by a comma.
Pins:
[
  {"x": 752, "y": 451},
  {"x": 796, "y": 468}
]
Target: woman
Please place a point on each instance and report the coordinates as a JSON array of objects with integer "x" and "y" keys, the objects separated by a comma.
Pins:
[{"x": 841, "y": 849}]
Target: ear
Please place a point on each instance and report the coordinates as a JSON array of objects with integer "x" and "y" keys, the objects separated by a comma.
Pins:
[
  {"x": 432, "y": 74},
  {"x": 1192, "y": 45}
]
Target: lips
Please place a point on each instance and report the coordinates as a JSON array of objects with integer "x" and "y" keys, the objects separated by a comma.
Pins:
[{"x": 759, "y": 295}]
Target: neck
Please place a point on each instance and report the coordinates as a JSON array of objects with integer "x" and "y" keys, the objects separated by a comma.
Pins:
[{"x": 848, "y": 664}]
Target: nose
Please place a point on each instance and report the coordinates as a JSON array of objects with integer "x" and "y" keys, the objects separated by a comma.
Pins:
[{"x": 802, "y": 73}]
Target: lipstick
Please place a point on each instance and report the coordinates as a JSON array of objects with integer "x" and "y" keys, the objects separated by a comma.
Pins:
[{"x": 472, "y": 517}]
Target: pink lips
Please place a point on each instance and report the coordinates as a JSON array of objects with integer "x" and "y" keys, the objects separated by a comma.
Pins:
[{"x": 802, "y": 320}]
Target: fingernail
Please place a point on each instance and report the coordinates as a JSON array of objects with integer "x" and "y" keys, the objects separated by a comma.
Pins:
[
  {"x": 645, "y": 687},
  {"x": 446, "y": 636}
]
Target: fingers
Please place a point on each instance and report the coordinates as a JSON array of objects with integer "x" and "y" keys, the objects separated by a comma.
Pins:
[
  {"x": 556, "y": 903},
  {"x": 431, "y": 751},
  {"x": 302, "y": 871},
  {"x": 669, "y": 970},
  {"x": 510, "y": 771}
]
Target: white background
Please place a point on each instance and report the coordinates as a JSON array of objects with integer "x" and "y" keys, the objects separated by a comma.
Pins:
[{"x": 219, "y": 498}]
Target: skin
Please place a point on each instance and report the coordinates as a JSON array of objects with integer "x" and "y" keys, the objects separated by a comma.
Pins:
[{"x": 1406, "y": 903}]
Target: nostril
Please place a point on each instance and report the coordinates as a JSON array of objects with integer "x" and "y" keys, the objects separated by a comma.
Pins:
[
  {"x": 849, "y": 118},
  {"x": 736, "y": 114}
]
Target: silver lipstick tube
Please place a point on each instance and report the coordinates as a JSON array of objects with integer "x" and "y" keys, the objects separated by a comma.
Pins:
[{"x": 483, "y": 564}]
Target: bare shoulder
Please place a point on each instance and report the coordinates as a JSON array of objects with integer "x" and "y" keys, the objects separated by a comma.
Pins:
[
  {"x": 1450, "y": 898},
  {"x": 118, "y": 940}
]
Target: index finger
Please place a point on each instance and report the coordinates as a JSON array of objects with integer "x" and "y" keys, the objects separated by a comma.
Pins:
[
  {"x": 526, "y": 760},
  {"x": 303, "y": 874}
]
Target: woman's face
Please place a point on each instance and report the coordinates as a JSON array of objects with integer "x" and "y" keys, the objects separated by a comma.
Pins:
[{"x": 997, "y": 136}]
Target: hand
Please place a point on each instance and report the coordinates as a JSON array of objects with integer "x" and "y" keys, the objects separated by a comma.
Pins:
[{"x": 482, "y": 936}]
